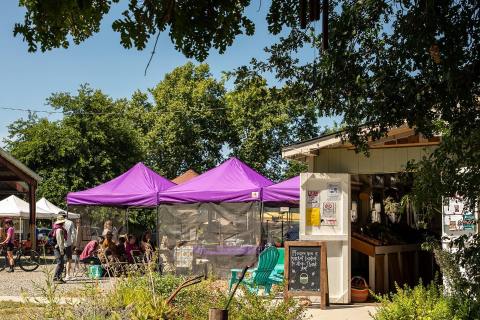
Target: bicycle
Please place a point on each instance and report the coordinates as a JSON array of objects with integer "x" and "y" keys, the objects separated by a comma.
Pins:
[{"x": 27, "y": 260}]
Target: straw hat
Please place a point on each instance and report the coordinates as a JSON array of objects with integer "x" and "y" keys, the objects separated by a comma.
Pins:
[{"x": 60, "y": 220}]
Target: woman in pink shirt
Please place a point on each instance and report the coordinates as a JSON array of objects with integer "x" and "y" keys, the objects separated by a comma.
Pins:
[
  {"x": 8, "y": 225},
  {"x": 131, "y": 245},
  {"x": 88, "y": 254}
]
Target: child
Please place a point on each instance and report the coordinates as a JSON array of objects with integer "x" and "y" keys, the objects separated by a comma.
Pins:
[
  {"x": 130, "y": 246},
  {"x": 76, "y": 261}
]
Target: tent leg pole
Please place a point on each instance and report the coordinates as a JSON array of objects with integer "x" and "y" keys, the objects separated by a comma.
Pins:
[
  {"x": 126, "y": 219},
  {"x": 157, "y": 230},
  {"x": 261, "y": 222}
]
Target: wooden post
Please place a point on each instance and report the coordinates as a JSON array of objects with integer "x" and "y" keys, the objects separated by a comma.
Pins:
[
  {"x": 217, "y": 314},
  {"x": 324, "y": 270},
  {"x": 32, "y": 188},
  {"x": 386, "y": 276},
  {"x": 371, "y": 273}
]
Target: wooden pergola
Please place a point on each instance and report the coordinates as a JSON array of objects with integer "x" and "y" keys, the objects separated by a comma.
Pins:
[{"x": 18, "y": 179}]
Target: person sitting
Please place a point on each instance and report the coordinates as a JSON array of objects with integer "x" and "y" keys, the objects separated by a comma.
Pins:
[
  {"x": 27, "y": 244},
  {"x": 130, "y": 246},
  {"x": 109, "y": 247},
  {"x": 89, "y": 253},
  {"x": 147, "y": 244},
  {"x": 121, "y": 252}
]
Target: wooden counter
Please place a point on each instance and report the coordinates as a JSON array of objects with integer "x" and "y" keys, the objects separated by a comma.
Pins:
[{"x": 387, "y": 264}]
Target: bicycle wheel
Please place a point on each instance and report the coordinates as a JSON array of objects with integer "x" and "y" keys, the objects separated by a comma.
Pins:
[
  {"x": 29, "y": 261},
  {"x": 3, "y": 262}
]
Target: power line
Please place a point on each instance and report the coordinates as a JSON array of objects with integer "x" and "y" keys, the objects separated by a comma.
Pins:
[{"x": 99, "y": 113}]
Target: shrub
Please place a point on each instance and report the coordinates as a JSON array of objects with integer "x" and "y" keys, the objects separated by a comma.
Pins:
[
  {"x": 250, "y": 306},
  {"x": 144, "y": 297},
  {"x": 421, "y": 303},
  {"x": 461, "y": 273}
]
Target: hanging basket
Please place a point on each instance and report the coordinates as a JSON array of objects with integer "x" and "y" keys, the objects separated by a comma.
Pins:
[{"x": 359, "y": 289}]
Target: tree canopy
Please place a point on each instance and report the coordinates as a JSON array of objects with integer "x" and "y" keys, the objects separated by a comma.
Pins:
[
  {"x": 194, "y": 26},
  {"x": 388, "y": 62},
  {"x": 189, "y": 124},
  {"x": 87, "y": 147},
  {"x": 187, "y": 121},
  {"x": 262, "y": 120}
]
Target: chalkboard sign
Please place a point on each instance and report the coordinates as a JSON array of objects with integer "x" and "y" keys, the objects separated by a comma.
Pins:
[{"x": 306, "y": 269}]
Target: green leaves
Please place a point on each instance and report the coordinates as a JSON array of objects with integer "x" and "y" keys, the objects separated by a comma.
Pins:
[
  {"x": 90, "y": 145},
  {"x": 187, "y": 121},
  {"x": 189, "y": 124},
  {"x": 194, "y": 26},
  {"x": 50, "y": 23},
  {"x": 263, "y": 120}
]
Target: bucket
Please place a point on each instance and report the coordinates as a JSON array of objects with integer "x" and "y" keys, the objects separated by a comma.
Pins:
[
  {"x": 95, "y": 272},
  {"x": 359, "y": 289}
]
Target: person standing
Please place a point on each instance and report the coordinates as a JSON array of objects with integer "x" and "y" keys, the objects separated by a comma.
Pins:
[
  {"x": 69, "y": 243},
  {"x": 108, "y": 227},
  {"x": 8, "y": 223},
  {"x": 59, "y": 235}
]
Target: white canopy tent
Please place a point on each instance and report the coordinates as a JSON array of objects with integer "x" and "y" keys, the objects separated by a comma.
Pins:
[
  {"x": 45, "y": 205},
  {"x": 14, "y": 207}
]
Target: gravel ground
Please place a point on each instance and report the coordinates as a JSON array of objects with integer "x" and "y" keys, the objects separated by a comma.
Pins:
[{"x": 19, "y": 282}]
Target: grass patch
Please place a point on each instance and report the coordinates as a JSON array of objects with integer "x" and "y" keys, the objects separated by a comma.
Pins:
[{"x": 18, "y": 310}]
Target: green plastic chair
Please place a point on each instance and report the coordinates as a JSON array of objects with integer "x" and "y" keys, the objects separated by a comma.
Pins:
[
  {"x": 262, "y": 274},
  {"x": 280, "y": 266}
]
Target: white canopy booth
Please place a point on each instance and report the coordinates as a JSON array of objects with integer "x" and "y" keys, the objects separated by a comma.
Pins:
[
  {"x": 45, "y": 205},
  {"x": 19, "y": 210}
]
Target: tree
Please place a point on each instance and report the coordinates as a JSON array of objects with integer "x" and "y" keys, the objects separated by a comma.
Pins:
[
  {"x": 194, "y": 26},
  {"x": 391, "y": 63},
  {"x": 262, "y": 120},
  {"x": 388, "y": 63},
  {"x": 190, "y": 126},
  {"x": 90, "y": 145}
]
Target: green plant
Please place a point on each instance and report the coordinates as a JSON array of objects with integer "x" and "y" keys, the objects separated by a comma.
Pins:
[
  {"x": 49, "y": 299},
  {"x": 250, "y": 306},
  {"x": 420, "y": 303},
  {"x": 392, "y": 209},
  {"x": 461, "y": 273},
  {"x": 143, "y": 297}
]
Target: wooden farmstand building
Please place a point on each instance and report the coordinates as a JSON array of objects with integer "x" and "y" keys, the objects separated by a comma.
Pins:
[
  {"x": 17, "y": 179},
  {"x": 358, "y": 204}
]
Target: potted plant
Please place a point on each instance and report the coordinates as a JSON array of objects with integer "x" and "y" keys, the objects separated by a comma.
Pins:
[
  {"x": 392, "y": 209},
  {"x": 278, "y": 242}
]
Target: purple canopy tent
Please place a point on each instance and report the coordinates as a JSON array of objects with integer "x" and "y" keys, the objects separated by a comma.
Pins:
[
  {"x": 232, "y": 181},
  {"x": 212, "y": 220},
  {"x": 283, "y": 192},
  {"x": 138, "y": 187}
]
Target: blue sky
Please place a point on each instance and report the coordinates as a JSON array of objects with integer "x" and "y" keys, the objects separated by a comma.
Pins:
[{"x": 27, "y": 79}]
